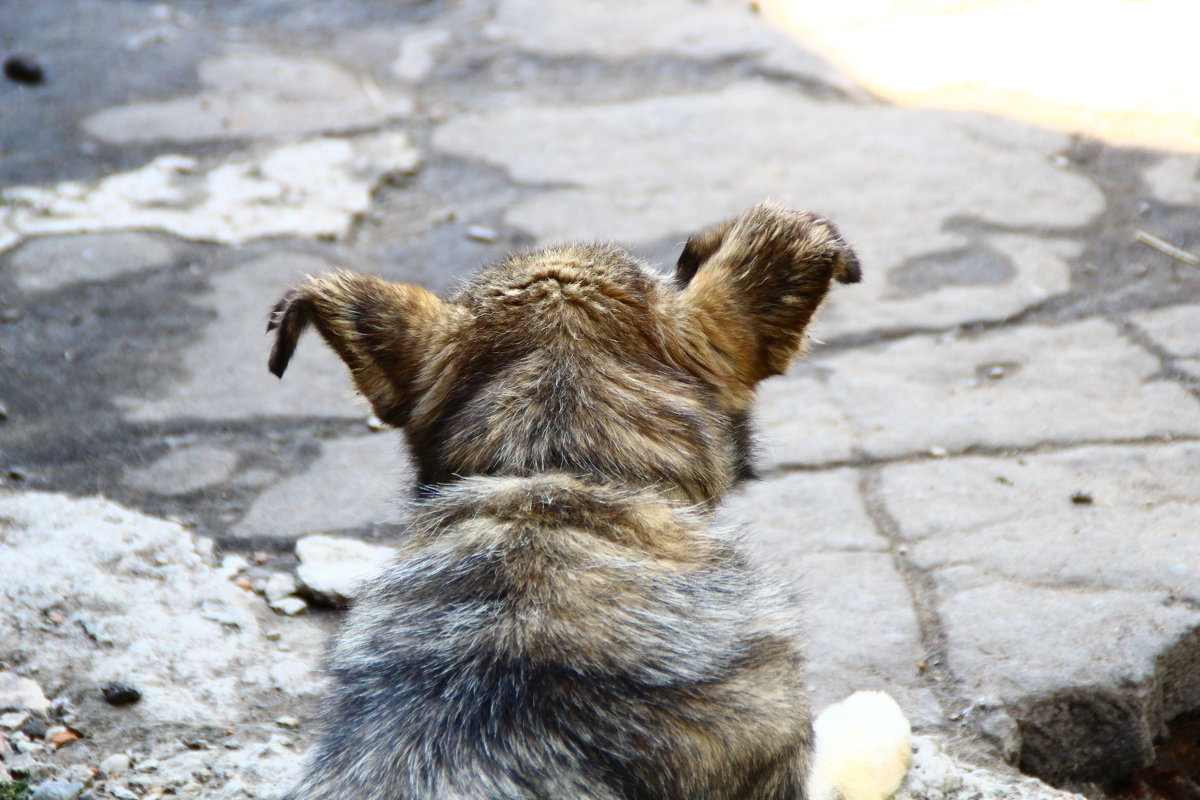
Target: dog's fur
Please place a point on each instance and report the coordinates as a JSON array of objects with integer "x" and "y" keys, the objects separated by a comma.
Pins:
[{"x": 563, "y": 620}]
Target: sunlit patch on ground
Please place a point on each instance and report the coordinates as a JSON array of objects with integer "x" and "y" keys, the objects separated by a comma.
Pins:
[{"x": 1122, "y": 70}]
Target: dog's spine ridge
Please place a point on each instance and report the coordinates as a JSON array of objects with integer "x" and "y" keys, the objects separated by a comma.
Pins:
[{"x": 862, "y": 749}]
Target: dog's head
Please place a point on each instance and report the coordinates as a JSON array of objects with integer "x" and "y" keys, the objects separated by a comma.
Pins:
[{"x": 580, "y": 359}]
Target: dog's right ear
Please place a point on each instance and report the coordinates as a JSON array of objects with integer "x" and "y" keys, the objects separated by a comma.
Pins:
[
  {"x": 384, "y": 332},
  {"x": 748, "y": 289}
]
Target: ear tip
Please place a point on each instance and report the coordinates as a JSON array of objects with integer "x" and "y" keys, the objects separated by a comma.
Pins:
[
  {"x": 849, "y": 270},
  {"x": 277, "y": 365}
]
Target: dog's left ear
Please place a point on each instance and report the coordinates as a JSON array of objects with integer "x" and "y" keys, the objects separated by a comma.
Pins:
[
  {"x": 385, "y": 332},
  {"x": 750, "y": 286}
]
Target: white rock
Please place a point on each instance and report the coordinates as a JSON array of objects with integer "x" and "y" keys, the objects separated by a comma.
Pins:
[
  {"x": 279, "y": 586},
  {"x": 115, "y": 765},
  {"x": 290, "y": 607},
  {"x": 21, "y": 694},
  {"x": 332, "y": 567}
]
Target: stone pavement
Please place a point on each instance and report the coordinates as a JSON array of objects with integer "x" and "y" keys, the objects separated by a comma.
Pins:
[{"x": 985, "y": 479}]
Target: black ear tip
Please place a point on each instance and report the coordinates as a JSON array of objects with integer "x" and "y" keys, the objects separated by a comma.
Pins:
[
  {"x": 848, "y": 270},
  {"x": 277, "y": 363}
]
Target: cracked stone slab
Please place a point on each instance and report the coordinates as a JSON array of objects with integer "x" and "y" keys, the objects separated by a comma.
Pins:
[
  {"x": 794, "y": 515},
  {"x": 618, "y": 166},
  {"x": 356, "y": 482},
  {"x": 861, "y": 632},
  {"x": 799, "y": 420},
  {"x": 308, "y": 188},
  {"x": 1016, "y": 387},
  {"x": 224, "y": 372},
  {"x": 184, "y": 469},
  {"x": 1015, "y": 517},
  {"x": 1175, "y": 329},
  {"x": 1091, "y": 677},
  {"x": 249, "y": 95},
  {"x": 53, "y": 262},
  {"x": 814, "y": 529},
  {"x": 94, "y": 593}
]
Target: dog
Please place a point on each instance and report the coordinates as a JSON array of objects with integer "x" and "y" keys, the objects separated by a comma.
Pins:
[{"x": 563, "y": 619}]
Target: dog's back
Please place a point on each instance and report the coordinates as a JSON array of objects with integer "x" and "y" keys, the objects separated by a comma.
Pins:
[
  {"x": 546, "y": 638},
  {"x": 562, "y": 620}
]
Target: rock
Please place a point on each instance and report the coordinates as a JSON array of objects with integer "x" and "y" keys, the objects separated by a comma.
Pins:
[
  {"x": 53, "y": 262},
  {"x": 279, "y": 586},
  {"x": 331, "y": 567},
  {"x": 481, "y": 233},
  {"x": 27, "y": 766},
  {"x": 184, "y": 470},
  {"x": 121, "y": 694},
  {"x": 255, "y": 95},
  {"x": 115, "y": 765},
  {"x": 289, "y": 606},
  {"x": 22, "y": 694},
  {"x": 288, "y": 722},
  {"x": 13, "y": 720},
  {"x": 24, "y": 70},
  {"x": 57, "y": 790},
  {"x": 937, "y": 774},
  {"x": 140, "y": 594},
  {"x": 352, "y": 484}
]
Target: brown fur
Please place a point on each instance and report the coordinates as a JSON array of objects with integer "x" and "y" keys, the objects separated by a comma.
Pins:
[{"x": 562, "y": 620}]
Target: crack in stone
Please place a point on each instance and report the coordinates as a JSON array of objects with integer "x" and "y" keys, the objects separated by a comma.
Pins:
[
  {"x": 938, "y": 674},
  {"x": 1001, "y": 451}
]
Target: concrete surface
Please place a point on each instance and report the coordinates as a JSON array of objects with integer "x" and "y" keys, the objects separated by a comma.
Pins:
[{"x": 983, "y": 481}]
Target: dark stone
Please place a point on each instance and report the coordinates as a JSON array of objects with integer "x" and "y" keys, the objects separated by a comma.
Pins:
[
  {"x": 23, "y": 69},
  {"x": 121, "y": 694}
]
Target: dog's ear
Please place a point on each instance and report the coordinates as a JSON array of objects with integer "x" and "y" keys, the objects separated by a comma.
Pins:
[
  {"x": 385, "y": 332},
  {"x": 750, "y": 286}
]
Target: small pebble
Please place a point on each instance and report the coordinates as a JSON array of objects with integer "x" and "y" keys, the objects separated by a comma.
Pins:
[
  {"x": 938, "y": 452},
  {"x": 288, "y": 722},
  {"x": 121, "y": 694},
  {"x": 1082, "y": 498},
  {"x": 289, "y": 606},
  {"x": 115, "y": 766},
  {"x": 23, "y": 69},
  {"x": 13, "y": 720},
  {"x": 11, "y": 315},
  {"x": 56, "y": 790},
  {"x": 375, "y": 423},
  {"x": 996, "y": 371},
  {"x": 279, "y": 586},
  {"x": 3, "y": 412},
  {"x": 34, "y": 728},
  {"x": 481, "y": 233},
  {"x": 120, "y": 792}
]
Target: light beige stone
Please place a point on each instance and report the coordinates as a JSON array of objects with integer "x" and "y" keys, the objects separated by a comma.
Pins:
[
  {"x": 1077, "y": 382},
  {"x": 356, "y": 482},
  {"x": 1015, "y": 517},
  {"x": 184, "y": 469},
  {"x": 805, "y": 512},
  {"x": 50, "y": 263},
  {"x": 255, "y": 95},
  {"x": 225, "y": 370}
]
